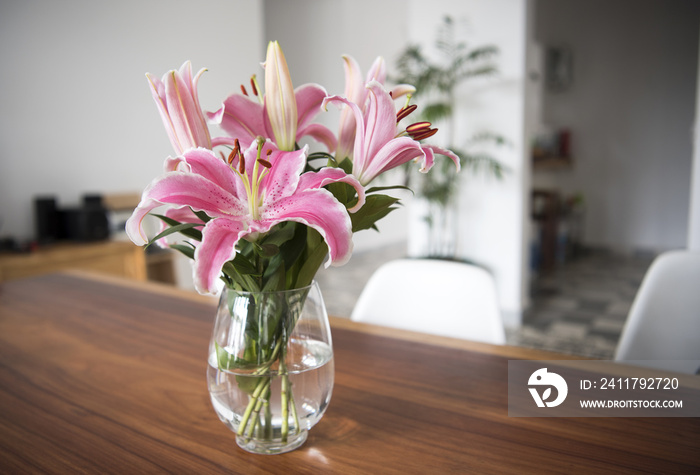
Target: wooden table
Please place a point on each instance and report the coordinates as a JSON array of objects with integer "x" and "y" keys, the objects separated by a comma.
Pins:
[{"x": 99, "y": 375}]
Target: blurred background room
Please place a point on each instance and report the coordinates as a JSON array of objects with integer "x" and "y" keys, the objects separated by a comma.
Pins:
[{"x": 596, "y": 101}]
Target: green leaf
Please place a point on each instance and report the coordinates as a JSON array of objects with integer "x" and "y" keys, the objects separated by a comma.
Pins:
[
  {"x": 280, "y": 234},
  {"x": 375, "y": 208},
  {"x": 375, "y": 189},
  {"x": 274, "y": 276},
  {"x": 346, "y": 165},
  {"x": 202, "y": 215},
  {"x": 318, "y": 251},
  {"x": 179, "y": 228},
  {"x": 268, "y": 250},
  {"x": 184, "y": 249},
  {"x": 195, "y": 234},
  {"x": 292, "y": 249}
]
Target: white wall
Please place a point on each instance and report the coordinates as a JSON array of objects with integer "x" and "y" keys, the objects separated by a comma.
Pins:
[
  {"x": 76, "y": 113},
  {"x": 631, "y": 109},
  {"x": 491, "y": 211}
]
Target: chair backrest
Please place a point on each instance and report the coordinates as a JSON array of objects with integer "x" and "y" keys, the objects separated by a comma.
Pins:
[
  {"x": 663, "y": 326},
  {"x": 433, "y": 296}
]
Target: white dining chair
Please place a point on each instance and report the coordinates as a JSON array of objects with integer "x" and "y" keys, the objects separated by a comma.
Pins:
[
  {"x": 663, "y": 326},
  {"x": 433, "y": 296}
]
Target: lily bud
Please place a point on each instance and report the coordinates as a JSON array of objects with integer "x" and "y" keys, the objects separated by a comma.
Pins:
[{"x": 280, "y": 101}]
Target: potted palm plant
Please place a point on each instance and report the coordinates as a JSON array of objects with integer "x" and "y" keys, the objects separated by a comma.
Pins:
[{"x": 436, "y": 82}]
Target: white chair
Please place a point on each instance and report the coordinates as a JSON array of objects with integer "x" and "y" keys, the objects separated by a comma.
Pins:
[
  {"x": 433, "y": 296},
  {"x": 663, "y": 327}
]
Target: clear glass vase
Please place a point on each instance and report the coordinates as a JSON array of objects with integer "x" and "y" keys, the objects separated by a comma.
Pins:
[{"x": 270, "y": 372}]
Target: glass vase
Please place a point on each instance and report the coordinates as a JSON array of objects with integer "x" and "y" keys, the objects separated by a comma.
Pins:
[{"x": 270, "y": 371}]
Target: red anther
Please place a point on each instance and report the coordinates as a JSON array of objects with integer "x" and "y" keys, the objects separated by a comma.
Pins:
[
  {"x": 236, "y": 151},
  {"x": 255, "y": 89},
  {"x": 245, "y": 93},
  {"x": 264, "y": 163},
  {"x": 391, "y": 94},
  {"x": 231, "y": 156},
  {"x": 405, "y": 112},
  {"x": 418, "y": 127},
  {"x": 241, "y": 164},
  {"x": 424, "y": 135},
  {"x": 269, "y": 152}
]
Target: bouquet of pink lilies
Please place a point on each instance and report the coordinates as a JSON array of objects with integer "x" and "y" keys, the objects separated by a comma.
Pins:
[{"x": 258, "y": 210}]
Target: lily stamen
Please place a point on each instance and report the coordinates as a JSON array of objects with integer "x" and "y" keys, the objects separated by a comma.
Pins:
[
  {"x": 424, "y": 135},
  {"x": 243, "y": 90},
  {"x": 256, "y": 88},
  {"x": 405, "y": 112},
  {"x": 241, "y": 164},
  {"x": 418, "y": 127}
]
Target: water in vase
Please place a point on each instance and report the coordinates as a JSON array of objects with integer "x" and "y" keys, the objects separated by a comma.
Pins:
[{"x": 310, "y": 375}]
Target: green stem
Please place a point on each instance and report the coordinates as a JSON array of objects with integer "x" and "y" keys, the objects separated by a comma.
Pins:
[
  {"x": 284, "y": 398},
  {"x": 297, "y": 426},
  {"x": 251, "y": 405},
  {"x": 256, "y": 412}
]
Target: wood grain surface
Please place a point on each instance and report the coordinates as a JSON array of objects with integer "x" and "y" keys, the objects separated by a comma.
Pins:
[{"x": 102, "y": 376}]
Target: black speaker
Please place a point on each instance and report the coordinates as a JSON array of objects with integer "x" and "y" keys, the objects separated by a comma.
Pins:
[
  {"x": 47, "y": 220},
  {"x": 84, "y": 224}
]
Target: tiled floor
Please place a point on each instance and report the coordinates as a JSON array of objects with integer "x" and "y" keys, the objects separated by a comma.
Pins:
[{"x": 579, "y": 308}]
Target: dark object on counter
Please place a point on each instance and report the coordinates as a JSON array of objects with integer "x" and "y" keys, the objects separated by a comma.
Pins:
[{"x": 88, "y": 222}]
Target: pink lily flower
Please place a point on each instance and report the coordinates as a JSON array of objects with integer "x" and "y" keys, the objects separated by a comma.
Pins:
[
  {"x": 178, "y": 103},
  {"x": 378, "y": 147},
  {"x": 284, "y": 113},
  {"x": 246, "y": 197},
  {"x": 356, "y": 91}
]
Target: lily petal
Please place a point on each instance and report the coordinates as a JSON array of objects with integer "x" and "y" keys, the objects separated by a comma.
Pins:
[
  {"x": 186, "y": 118},
  {"x": 241, "y": 118},
  {"x": 283, "y": 178},
  {"x": 359, "y": 137},
  {"x": 316, "y": 208},
  {"x": 377, "y": 72},
  {"x": 308, "y": 99},
  {"x": 326, "y": 176},
  {"x": 321, "y": 134},
  {"x": 394, "y": 153},
  {"x": 203, "y": 162},
  {"x": 401, "y": 90},
  {"x": 380, "y": 119},
  {"x": 443, "y": 151},
  {"x": 354, "y": 92},
  {"x": 218, "y": 246},
  {"x": 158, "y": 93},
  {"x": 182, "y": 189}
]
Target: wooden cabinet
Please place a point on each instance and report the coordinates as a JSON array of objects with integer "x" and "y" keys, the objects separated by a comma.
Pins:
[{"x": 118, "y": 258}]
